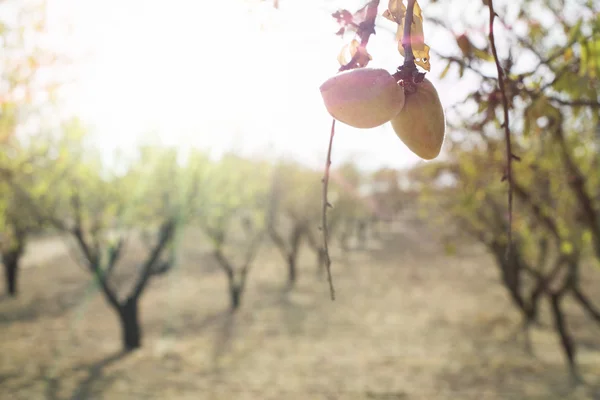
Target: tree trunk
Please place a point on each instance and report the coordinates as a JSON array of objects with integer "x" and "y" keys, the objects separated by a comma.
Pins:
[
  {"x": 510, "y": 275},
  {"x": 235, "y": 297},
  {"x": 566, "y": 340},
  {"x": 320, "y": 262},
  {"x": 11, "y": 271},
  {"x": 130, "y": 325},
  {"x": 361, "y": 233},
  {"x": 291, "y": 269},
  {"x": 344, "y": 236}
]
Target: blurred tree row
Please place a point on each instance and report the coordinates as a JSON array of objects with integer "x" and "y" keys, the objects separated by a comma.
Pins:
[{"x": 67, "y": 188}]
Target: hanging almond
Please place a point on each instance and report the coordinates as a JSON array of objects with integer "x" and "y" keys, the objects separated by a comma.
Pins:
[
  {"x": 363, "y": 97},
  {"x": 421, "y": 124}
]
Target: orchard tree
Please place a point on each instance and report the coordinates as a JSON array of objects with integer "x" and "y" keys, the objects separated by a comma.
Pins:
[
  {"x": 544, "y": 115},
  {"x": 16, "y": 221},
  {"x": 27, "y": 85},
  {"x": 30, "y": 68},
  {"x": 27, "y": 177},
  {"x": 289, "y": 218},
  {"x": 350, "y": 207},
  {"x": 230, "y": 208},
  {"x": 541, "y": 114},
  {"x": 103, "y": 210}
]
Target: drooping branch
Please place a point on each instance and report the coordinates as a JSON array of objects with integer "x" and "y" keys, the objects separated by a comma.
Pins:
[
  {"x": 505, "y": 124},
  {"x": 364, "y": 31},
  {"x": 326, "y": 205}
]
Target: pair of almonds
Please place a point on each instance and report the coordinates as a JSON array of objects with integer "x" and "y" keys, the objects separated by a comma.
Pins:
[{"x": 367, "y": 97}]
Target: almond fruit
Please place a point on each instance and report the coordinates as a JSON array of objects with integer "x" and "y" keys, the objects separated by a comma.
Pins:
[
  {"x": 363, "y": 97},
  {"x": 421, "y": 124}
]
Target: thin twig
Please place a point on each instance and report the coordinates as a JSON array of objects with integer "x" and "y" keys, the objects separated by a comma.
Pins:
[
  {"x": 407, "y": 73},
  {"x": 506, "y": 125},
  {"x": 364, "y": 32},
  {"x": 326, "y": 205}
]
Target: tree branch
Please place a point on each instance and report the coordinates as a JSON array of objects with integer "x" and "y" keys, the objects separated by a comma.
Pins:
[
  {"x": 509, "y": 175},
  {"x": 409, "y": 57},
  {"x": 223, "y": 262},
  {"x": 537, "y": 210},
  {"x": 326, "y": 205},
  {"x": 114, "y": 253},
  {"x": 575, "y": 103},
  {"x": 278, "y": 239},
  {"x": 166, "y": 234},
  {"x": 364, "y": 30},
  {"x": 577, "y": 184}
]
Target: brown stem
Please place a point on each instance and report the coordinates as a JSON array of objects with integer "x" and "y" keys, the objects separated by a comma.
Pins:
[
  {"x": 409, "y": 57},
  {"x": 326, "y": 205},
  {"x": 505, "y": 124}
]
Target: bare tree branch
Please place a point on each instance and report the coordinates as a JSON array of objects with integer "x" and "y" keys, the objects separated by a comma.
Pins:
[
  {"x": 326, "y": 205},
  {"x": 577, "y": 183},
  {"x": 167, "y": 231},
  {"x": 509, "y": 157}
]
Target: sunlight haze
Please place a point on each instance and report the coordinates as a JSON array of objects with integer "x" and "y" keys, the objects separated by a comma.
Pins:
[{"x": 235, "y": 75}]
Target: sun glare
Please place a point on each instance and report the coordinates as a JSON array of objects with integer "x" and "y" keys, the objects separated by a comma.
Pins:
[{"x": 218, "y": 75}]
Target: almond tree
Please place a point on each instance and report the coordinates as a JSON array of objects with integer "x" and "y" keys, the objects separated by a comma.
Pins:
[
  {"x": 351, "y": 208},
  {"x": 102, "y": 212},
  {"x": 230, "y": 209},
  {"x": 294, "y": 215},
  {"x": 26, "y": 62},
  {"x": 553, "y": 104},
  {"x": 286, "y": 224}
]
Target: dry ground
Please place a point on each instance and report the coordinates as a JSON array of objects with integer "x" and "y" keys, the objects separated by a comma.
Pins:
[{"x": 410, "y": 322}]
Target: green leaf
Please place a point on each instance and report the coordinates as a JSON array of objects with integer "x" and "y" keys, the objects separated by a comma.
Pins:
[{"x": 483, "y": 55}]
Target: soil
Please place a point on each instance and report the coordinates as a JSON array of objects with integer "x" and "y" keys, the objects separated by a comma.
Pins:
[{"x": 411, "y": 321}]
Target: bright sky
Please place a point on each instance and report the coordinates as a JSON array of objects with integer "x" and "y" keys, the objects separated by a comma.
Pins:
[{"x": 233, "y": 74}]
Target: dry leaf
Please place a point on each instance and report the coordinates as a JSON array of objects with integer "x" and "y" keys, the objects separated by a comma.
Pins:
[
  {"x": 363, "y": 23},
  {"x": 362, "y": 58},
  {"x": 421, "y": 56},
  {"x": 396, "y": 12}
]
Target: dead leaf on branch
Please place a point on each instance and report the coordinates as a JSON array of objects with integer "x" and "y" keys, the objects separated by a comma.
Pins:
[
  {"x": 358, "y": 54},
  {"x": 396, "y": 12},
  {"x": 344, "y": 19},
  {"x": 363, "y": 23}
]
